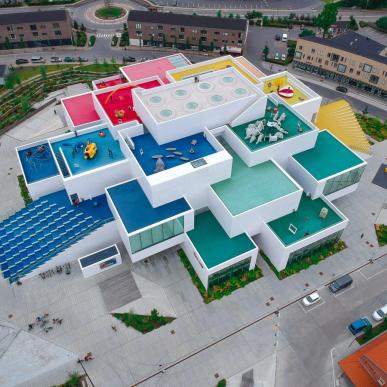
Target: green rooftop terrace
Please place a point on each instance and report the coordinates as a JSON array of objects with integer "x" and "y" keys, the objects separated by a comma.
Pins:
[
  {"x": 250, "y": 187},
  {"x": 306, "y": 220},
  {"x": 328, "y": 157},
  {"x": 291, "y": 124},
  {"x": 213, "y": 243}
]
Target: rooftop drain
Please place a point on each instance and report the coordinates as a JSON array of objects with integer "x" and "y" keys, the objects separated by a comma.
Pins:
[
  {"x": 155, "y": 100},
  {"x": 216, "y": 99},
  {"x": 180, "y": 93},
  {"x": 205, "y": 86}
]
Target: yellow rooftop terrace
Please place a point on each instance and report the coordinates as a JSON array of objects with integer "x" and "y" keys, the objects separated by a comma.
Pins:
[{"x": 244, "y": 67}]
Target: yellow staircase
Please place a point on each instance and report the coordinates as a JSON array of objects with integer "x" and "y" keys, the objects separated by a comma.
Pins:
[{"x": 339, "y": 118}]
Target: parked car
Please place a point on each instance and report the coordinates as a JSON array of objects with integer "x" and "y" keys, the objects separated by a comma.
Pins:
[
  {"x": 311, "y": 299},
  {"x": 284, "y": 37},
  {"x": 22, "y": 61},
  {"x": 69, "y": 59},
  {"x": 55, "y": 59},
  {"x": 341, "y": 283},
  {"x": 359, "y": 325},
  {"x": 283, "y": 57},
  {"x": 277, "y": 37},
  {"x": 81, "y": 59},
  {"x": 277, "y": 56},
  {"x": 37, "y": 59},
  {"x": 380, "y": 314},
  {"x": 126, "y": 59},
  {"x": 342, "y": 89}
]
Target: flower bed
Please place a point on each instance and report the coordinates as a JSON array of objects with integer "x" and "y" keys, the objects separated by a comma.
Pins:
[
  {"x": 381, "y": 234},
  {"x": 110, "y": 13},
  {"x": 372, "y": 332},
  {"x": 216, "y": 292},
  {"x": 24, "y": 190}
]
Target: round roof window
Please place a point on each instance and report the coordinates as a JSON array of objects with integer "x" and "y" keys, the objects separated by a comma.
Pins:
[
  {"x": 228, "y": 79},
  {"x": 205, "y": 86},
  {"x": 180, "y": 93},
  {"x": 165, "y": 113},
  {"x": 155, "y": 100},
  {"x": 240, "y": 91},
  {"x": 216, "y": 98},
  {"x": 191, "y": 106}
]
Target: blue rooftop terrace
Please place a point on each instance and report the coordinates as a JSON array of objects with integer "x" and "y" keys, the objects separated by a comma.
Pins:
[
  {"x": 135, "y": 210},
  {"x": 38, "y": 163},
  {"x": 173, "y": 153},
  {"x": 108, "y": 151}
]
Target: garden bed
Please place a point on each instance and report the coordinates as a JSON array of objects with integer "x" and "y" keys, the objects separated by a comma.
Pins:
[
  {"x": 371, "y": 333},
  {"x": 110, "y": 13},
  {"x": 315, "y": 258},
  {"x": 373, "y": 126},
  {"x": 216, "y": 292},
  {"x": 24, "y": 190},
  {"x": 381, "y": 234},
  {"x": 143, "y": 323}
]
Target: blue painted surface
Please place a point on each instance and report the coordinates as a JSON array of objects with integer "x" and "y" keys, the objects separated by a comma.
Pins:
[
  {"x": 150, "y": 148},
  {"x": 74, "y": 147},
  {"x": 135, "y": 209},
  {"x": 38, "y": 163},
  {"x": 43, "y": 229}
]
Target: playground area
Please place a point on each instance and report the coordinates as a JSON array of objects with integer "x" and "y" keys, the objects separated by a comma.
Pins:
[
  {"x": 107, "y": 151},
  {"x": 38, "y": 163},
  {"x": 155, "y": 158},
  {"x": 118, "y": 104},
  {"x": 111, "y": 82},
  {"x": 81, "y": 109},
  {"x": 282, "y": 87}
]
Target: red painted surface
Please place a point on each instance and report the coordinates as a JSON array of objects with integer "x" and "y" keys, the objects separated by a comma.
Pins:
[
  {"x": 121, "y": 101},
  {"x": 112, "y": 82},
  {"x": 81, "y": 109},
  {"x": 148, "y": 69}
]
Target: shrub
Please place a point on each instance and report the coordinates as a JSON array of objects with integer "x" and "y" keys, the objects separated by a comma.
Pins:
[
  {"x": 306, "y": 32},
  {"x": 222, "y": 383},
  {"x": 92, "y": 40},
  {"x": 382, "y": 23},
  {"x": 24, "y": 190}
]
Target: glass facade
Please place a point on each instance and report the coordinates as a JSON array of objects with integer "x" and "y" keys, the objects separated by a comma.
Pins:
[
  {"x": 157, "y": 234},
  {"x": 228, "y": 272},
  {"x": 310, "y": 249},
  {"x": 342, "y": 181}
]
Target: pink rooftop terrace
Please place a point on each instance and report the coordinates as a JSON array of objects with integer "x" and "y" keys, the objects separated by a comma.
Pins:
[
  {"x": 81, "y": 109},
  {"x": 148, "y": 69}
]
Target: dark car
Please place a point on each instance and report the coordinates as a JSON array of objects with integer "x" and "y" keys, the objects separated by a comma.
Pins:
[
  {"x": 80, "y": 59},
  {"x": 359, "y": 325},
  {"x": 69, "y": 59},
  {"x": 340, "y": 283},
  {"x": 278, "y": 37},
  {"x": 126, "y": 59},
  {"x": 21, "y": 61},
  {"x": 342, "y": 89}
]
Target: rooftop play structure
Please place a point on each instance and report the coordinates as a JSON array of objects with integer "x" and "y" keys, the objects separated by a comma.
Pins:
[{"x": 215, "y": 157}]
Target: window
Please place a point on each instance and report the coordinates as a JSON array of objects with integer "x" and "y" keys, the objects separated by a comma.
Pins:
[
  {"x": 138, "y": 33},
  {"x": 203, "y": 39},
  {"x": 335, "y": 57},
  {"x": 44, "y": 33},
  {"x": 350, "y": 70},
  {"x": 21, "y": 36},
  {"x": 297, "y": 54},
  {"x": 161, "y": 35},
  {"x": 240, "y": 41},
  {"x": 55, "y": 25},
  {"x": 194, "y": 31},
  {"x": 225, "y": 33},
  {"x": 300, "y": 47},
  {"x": 342, "y": 181},
  {"x": 182, "y": 29},
  {"x": 216, "y": 33},
  {"x": 33, "y": 27},
  {"x": 357, "y": 72},
  {"x": 374, "y": 79},
  {"x": 12, "y": 36},
  {"x": 203, "y": 32},
  {"x": 181, "y": 36},
  {"x": 43, "y": 26},
  {"x": 19, "y": 28},
  {"x": 58, "y": 33},
  {"x": 367, "y": 68},
  {"x": 313, "y": 50},
  {"x": 173, "y": 29},
  {"x": 341, "y": 68},
  {"x": 159, "y": 28},
  {"x": 157, "y": 234},
  {"x": 328, "y": 55},
  {"x": 138, "y": 26},
  {"x": 326, "y": 62},
  {"x": 35, "y": 34}
]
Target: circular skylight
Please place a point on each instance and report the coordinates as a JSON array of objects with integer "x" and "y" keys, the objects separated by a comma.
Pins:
[
  {"x": 240, "y": 92},
  {"x": 205, "y": 86},
  {"x": 191, "y": 106},
  {"x": 180, "y": 93},
  {"x": 216, "y": 99},
  {"x": 166, "y": 113},
  {"x": 155, "y": 100},
  {"x": 228, "y": 79}
]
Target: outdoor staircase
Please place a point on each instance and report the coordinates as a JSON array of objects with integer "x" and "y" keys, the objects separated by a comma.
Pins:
[{"x": 45, "y": 228}]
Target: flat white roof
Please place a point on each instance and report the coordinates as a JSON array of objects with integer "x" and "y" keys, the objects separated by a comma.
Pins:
[{"x": 186, "y": 97}]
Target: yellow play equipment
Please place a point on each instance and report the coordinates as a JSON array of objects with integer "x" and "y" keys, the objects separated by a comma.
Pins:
[
  {"x": 90, "y": 151},
  {"x": 113, "y": 92}
]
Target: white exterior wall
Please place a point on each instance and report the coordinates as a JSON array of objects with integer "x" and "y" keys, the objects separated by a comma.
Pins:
[
  {"x": 99, "y": 239},
  {"x": 308, "y": 108},
  {"x": 256, "y": 109},
  {"x": 44, "y": 187}
]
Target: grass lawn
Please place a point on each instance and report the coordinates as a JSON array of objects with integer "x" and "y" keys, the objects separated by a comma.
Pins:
[
  {"x": 216, "y": 292},
  {"x": 143, "y": 323},
  {"x": 373, "y": 126},
  {"x": 372, "y": 332},
  {"x": 314, "y": 258},
  {"x": 110, "y": 13},
  {"x": 381, "y": 234}
]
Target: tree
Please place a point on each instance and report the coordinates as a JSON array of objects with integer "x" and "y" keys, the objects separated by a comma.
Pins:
[
  {"x": 306, "y": 32},
  {"x": 231, "y": 16},
  {"x": 187, "y": 44},
  {"x": 265, "y": 51},
  {"x": 83, "y": 28},
  {"x": 96, "y": 61},
  {"x": 237, "y": 16},
  {"x": 212, "y": 46},
  {"x": 25, "y": 104},
  {"x": 43, "y": 72},
  {"x": 194, "y": 14},
  {"x": 125, "y": 27},
  {"x": 352, "y": 24},
  {"x": 382, "y": 23},
  {"x": 76, "y": 26},
  {"x": 219, "y": 13},
  {"x": 175, "y": 42},
  {"x": 327, "y": 17},
  {"x": 7, "y": 43},
  {"x": 200, "y": 46},
  {"x": 154, "y": 315}
]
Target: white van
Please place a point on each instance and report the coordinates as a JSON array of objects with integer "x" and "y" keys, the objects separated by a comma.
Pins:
[
  {"x": 284, "y": 37},
  {"x": 37, "y": 59},
  {"x": 380, "y": 314}
]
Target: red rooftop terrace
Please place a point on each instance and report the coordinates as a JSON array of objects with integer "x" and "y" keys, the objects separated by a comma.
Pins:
[
  {"x": 103, "y": 84},
  {"x": 81, "y": 109},
  {"x": 118, "y": 104}
]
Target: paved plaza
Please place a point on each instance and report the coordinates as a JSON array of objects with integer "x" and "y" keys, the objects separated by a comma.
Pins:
[{"x": 122, "y": 358}]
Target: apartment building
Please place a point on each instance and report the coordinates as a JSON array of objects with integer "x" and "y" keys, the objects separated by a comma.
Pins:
[
  {"x": 35, "y": 29},
  {"x": 187, "y": 31},
  {"x": 349, "y": 58}
]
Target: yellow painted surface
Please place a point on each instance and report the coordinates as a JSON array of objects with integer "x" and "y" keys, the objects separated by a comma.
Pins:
[
  {"x": 249, "y": 66},
  {"x": 272, "y": 85},
  {"x": 339, "y": 118},
  {"x": 214, "y": 66}
]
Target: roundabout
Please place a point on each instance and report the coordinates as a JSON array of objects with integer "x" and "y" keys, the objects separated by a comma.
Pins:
[{"x": 110, "y": 13}]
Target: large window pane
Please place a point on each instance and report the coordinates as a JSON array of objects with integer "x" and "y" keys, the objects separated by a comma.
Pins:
[
  {"x": 342, "y": 181},
  {"x": 157, "y": 234}
]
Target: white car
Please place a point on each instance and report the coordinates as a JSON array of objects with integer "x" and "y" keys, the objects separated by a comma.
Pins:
[
  {"x": 311, "y": 299},
  {"x": 380, "y": 314},
  {"x": 283, "y": 57}
]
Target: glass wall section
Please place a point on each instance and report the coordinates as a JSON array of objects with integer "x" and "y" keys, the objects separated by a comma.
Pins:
[
  {"x": 306, "y": 251},
  {"x": 156, "y": 234},
  {"x": 342, "y": 181},
  {"x": 228, "y": 272}
]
